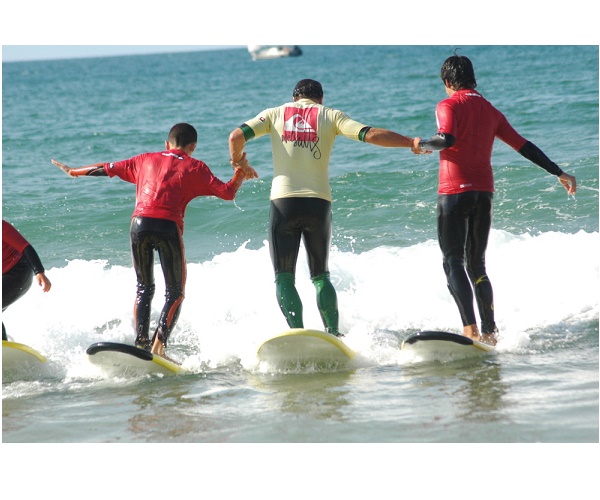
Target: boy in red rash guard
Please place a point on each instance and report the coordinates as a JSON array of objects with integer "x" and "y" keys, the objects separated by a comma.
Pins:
[
  {"x": 166, "y": 181},
  {"x": 468, "y": 124},
  {"x": 20, "y": 263}
]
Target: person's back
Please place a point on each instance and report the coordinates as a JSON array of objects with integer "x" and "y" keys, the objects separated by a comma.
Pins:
[
  {"x": 302, "y": 136},
  {"x": 467, "y": 126},
  {"x": 166, "y": 181},
  {"x": 475, "y": 123}
]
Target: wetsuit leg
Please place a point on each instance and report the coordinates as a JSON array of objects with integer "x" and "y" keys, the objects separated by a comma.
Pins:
[
  {"x": 284, "y": 243},
  {"x": 452, "y": 219},
  {"x": 288, "y": 299},
  {"x": 317, "y": 241},
  {"x": 327, "y": 303},
  {"x": 480, "y": 222},
  {"x": 15, "y": 283},
  {"x": 309, "y": 219},
  {"x": 172, "y": 258},
  {"x": 142, "y": 251},
  {"x": 148, "y": 235}
]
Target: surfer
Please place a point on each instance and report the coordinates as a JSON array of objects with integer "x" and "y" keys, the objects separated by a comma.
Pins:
[
  {"x": 166, "y": 181},
  {"x": 467, "y": 127},
  {"x": 20, "y": 263},
  {"x": 302, "y": 135}
]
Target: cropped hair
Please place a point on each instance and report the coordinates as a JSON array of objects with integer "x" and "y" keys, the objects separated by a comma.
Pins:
[
  {"x": 458, "y": 72},
  {"x": 308, "y": 88},
  {"x": 182, "y": 135}
]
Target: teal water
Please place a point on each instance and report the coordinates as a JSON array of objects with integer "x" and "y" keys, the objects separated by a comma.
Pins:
[{"x": 541, "y": 387}]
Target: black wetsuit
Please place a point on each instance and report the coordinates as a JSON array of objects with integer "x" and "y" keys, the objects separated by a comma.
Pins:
[
  {"x": 17, "y": 280},
  {"x": 164, "y": 236},
  {"x": 464, "y": 223},
  {"x": 307, "y": 219}
]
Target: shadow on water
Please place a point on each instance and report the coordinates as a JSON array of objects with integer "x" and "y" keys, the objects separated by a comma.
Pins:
[{"x": 476, "y": 387}]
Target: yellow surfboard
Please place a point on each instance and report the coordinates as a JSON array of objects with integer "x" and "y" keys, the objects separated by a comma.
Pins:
[
  {"x": 125, "y": 359},
  {"x": 19, "y": 361},
  {"x": 304, "y": 345}
]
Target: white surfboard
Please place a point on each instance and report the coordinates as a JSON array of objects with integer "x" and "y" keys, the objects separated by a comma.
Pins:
[
  {"x": 304, "y": 345},
  {"x": 437, "y": 345},
  {"x": 20, "y": 361},
  {"x": 125, "y": 359}
]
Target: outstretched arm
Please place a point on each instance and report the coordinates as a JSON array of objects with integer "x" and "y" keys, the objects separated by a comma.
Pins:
[
  {"x": 537, "y": 156},
  {"x": 390, "y": 139},
  {"x": 92, "y": 170}
]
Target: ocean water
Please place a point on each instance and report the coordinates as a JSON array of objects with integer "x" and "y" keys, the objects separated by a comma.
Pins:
[{"x": 541, "y": 386}]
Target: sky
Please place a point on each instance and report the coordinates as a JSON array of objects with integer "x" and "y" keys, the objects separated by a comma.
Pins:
[
  {"x": 68, "y": 29},
  {"x": 13, "y": 53}
]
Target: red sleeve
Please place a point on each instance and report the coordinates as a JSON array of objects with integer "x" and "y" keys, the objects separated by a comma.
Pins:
[
  {"x": 507, "y": 134},
  {"x": 223, "y": 190},
  {"x": 444, "y": 118},
  {"x": 124, "y": 169},
  {"x": 214, "y": 185}
]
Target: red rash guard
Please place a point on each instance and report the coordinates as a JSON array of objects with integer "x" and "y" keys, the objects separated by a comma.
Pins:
[
  {"x": 475, "y": 123},
  {"x": 13, "y": 245},
  {"x": 167, "y": 181}
]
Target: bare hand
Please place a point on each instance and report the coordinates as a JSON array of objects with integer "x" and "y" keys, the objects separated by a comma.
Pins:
[
  {"x": 569, "y": 182},
  {"x": 249, "y": 173},
  {"x": 242, "y": 163},
  {"x": 416, "y": 149},
  {"x": 43, "y": 281},
  {"x": 66, "y": 169}
]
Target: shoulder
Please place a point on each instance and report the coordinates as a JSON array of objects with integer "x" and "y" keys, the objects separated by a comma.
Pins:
[{"x": 195, "y": 165}]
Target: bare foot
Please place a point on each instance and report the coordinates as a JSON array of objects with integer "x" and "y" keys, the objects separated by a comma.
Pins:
[
  {"x": 472, "y": 332},
  {"x": 158, "y": 347},
  {"x": 489, "y": 339}
]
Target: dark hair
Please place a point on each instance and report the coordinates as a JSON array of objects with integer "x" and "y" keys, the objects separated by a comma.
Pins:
[
  {"x": 308, "y": 88},
  {"x": 182, "y": 135},
  {"x": 458, "y": 72}
]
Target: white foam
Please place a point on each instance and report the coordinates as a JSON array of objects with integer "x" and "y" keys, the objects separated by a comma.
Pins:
[{"x": 230, "y": 305}]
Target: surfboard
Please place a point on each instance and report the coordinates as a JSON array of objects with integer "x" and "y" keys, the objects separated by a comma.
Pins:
[
  {"x": 304, "y": 345},
  {"x": 125, "y": 359},
  {"x": 432, "y": 343},
  {"x": 19, "y": 358}
]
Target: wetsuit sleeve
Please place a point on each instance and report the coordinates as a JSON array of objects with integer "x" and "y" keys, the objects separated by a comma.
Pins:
[
  {"x": 96, "y": 170},
  {"x": 362, "y": 135},
  {"x": 438, "y": 142},
  {"x": 445, "y": 136},
  {"x": 247, "y": 131},
  {"x": 537, "y": 156},
  {"x": 33, "y": 259}
]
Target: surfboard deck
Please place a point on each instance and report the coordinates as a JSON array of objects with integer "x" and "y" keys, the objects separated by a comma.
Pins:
[
  {"x": 304, "y": 345},
  {"x": 126, "y": 359},
  {"x": 20, "y": 361},
  {"x": 431, "y": 343}
]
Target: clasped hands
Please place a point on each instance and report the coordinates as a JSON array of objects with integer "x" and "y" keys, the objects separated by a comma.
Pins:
[{"x": 244, "y": 166}]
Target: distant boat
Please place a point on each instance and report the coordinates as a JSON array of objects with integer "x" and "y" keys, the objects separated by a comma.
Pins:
[{"x": 273, "y": 51}]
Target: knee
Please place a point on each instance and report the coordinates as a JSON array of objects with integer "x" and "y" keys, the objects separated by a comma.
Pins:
[
  {"x": 451, "y": 263},
  {"x": 285, "y": 279},
  {"x": 174, "y": 292},
  {"x": 145, "y": 290},
  {"x": 321, "y": 279}
]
